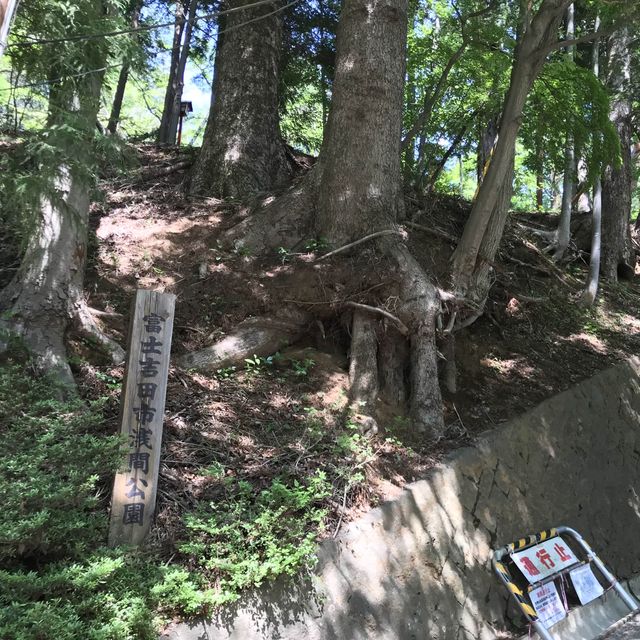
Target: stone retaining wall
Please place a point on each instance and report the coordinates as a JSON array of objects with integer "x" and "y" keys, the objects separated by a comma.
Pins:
[{"x": 419, "y": 566}]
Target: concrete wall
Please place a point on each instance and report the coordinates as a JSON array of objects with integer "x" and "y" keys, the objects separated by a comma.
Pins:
[{"x": 419, "y": 566}]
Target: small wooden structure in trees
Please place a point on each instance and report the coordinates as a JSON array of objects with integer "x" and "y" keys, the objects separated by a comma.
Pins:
[
  {"x": 141, "y": 414},
  {"x": 186, "y": 107}
]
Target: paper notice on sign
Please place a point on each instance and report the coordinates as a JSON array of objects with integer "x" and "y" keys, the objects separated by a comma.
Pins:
[
  {"x": 547, "y": 603},
  {"x": 544, "y": 559},
  {"x": 586, "y": 584}
]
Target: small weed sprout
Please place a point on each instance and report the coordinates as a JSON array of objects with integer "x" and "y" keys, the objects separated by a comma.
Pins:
[
  {"x": 225, "y": 373},
  {"x": 284, "y": 254},
  {"x": 301, "y": 368}
]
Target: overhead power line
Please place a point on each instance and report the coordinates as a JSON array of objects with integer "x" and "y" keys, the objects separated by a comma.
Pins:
[
  {"x": 61, "y": 79},
  {"x": 150, "y": 27},
  {"x": 113, "y": 66}
]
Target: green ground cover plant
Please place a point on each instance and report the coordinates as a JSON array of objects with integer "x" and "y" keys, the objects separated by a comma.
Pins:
[{"x": 58, "y": 579}]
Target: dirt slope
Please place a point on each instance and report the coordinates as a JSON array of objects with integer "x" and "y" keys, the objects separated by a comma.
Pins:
[{"x": 284, "y": 415}]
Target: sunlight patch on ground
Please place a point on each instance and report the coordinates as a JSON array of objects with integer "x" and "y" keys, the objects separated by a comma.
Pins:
[
  {"x": 279, "y": 400},
  {"x": 632, "y": 325},
  {"x": 587, "y": 340},
  {"x": 510, "y": 367}
]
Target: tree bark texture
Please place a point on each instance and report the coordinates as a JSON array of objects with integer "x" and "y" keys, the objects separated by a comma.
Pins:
[
  {"x": 537, "y": 36},
  {"x": 164, "y": 133},
  {"x": 618, "y": 258},
  {"x": 393, "y": 355},
  {"x": 242, "y": 151},
  {"x": 568, "y": 182},
  {"x": 363, "y": 369},
  {"x": 361, "y": 186},
  {"x": 46, "y": 293}
]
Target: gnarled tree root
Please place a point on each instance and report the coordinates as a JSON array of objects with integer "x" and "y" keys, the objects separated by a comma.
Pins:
[
  {"x": 393, "y": 356},
  {"x": 283, "y": 222},
  {"x": 420, "y": 306},
  {"x": 86, "y": 326},
  {"x": 363, "y": 371},
  {"x": 415, "y": 315},
  {"x": 256, "y": 336}
]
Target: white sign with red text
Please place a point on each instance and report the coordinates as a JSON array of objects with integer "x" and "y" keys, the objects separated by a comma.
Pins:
[
  {"x": 544, "y": 559},
  {"x": 547, "y": 603}
]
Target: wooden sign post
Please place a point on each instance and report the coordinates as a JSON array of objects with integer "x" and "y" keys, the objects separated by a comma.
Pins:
[{"x": 141, "y": 413}]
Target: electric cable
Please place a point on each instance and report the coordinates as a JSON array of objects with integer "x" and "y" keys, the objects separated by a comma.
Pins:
[
  {"x": 149, "y": 27},
  {"x": 233, "y": 28}
]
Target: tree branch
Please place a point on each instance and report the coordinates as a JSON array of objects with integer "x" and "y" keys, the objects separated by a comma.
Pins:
[
  {"x": 400, "y": 326},
  {"x": 386, "y": 232}
]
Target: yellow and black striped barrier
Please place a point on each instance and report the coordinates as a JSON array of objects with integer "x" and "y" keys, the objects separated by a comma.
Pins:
[
  {"x": 531, "y": 540},
  {"x": 522, "y": 599},
  {"x": 516, "y": 592}
]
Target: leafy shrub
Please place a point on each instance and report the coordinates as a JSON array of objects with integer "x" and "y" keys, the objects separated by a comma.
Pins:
[
  {"x": 249, "y": 538},
  {"x": 51, "y": 456},
  {"x": 105, "y": 597},
  {"x": 59, "y": 582}
]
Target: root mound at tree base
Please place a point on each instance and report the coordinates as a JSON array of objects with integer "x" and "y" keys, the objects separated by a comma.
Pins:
[{"x": 410, "y": 288}]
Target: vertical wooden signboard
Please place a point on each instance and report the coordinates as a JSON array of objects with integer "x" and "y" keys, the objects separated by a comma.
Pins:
[{"x": 142, "y": 410}]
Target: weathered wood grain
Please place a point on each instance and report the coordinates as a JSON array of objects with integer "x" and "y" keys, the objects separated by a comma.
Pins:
[{"x": 141, "y": 415}]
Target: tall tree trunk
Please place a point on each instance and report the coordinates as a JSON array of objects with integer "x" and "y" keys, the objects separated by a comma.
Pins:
[
  {"x": 618, "y": 257},
  {"x": 164, "y": 133},
  {"x": 361, "y": 190},
  {"x": 487, "y": 140},
  {"x": 123, "y": 78},
  {"x": 46, "y": 293},
  {"x": 118, "y": 98},
  {"x": 242, "y": 151},
  {"x": 538, "y": 34},
  {"x": 590, "y": 292},
  {"x": 568, "y": 184},
  {"x": 358, "y": 197}
]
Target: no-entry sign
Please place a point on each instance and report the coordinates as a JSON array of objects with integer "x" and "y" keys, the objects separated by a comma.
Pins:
[{"x": 544, "y": 559}]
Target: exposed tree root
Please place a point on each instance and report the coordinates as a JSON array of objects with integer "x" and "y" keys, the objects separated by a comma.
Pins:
[
  {"x": 393, "y": 358},
  {"x": 279, "y": 222},
  {"x": 419, "y": 306},
  {"x": 399, "y": 325},
  {"x": 363, "y": 371},
  {"x": 43, "y": 336},
  {"x": 371, "y": 236},
  {"x": 87, "y": 328},
  {"x": 45, "y": 343},
  {"x": 256, "y": 336},
  {"x": 450, "y": 371},
  {"x": 287, "y": 221}
]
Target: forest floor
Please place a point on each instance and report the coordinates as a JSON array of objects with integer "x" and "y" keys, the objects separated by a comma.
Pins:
[{"x": 285, "y": 415}]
